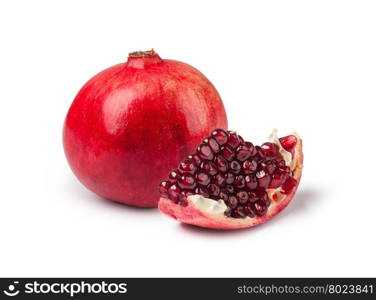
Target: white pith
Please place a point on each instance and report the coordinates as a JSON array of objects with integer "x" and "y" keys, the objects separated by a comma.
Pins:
[
  {"x": 216, "y": 208},
  {"x": 209, "y": 206}
]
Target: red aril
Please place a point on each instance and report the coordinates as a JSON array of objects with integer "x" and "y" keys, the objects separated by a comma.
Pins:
[
  {"x": 238, "y": 185},
  {"x": 133, "y": 122}
]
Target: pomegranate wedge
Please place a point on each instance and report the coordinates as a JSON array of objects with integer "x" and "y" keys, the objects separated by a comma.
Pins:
[{"x": 230, "y": 184}]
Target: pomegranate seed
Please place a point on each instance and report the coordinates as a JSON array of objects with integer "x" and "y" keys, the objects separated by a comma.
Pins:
[
  {"x": 267, "y": 201},
  {"x": 251, "y": 182},
  {"x": 284, "y": 169},
  {"x": 232, "y": 202},
  {"x": 188, "y": 166},
  {"x": 220, "y": 136},
  {"x": 248, "y": 210},
  {"x": 268, "y": 166},
  {"x": 262, "y": 195},
  {"x": 227, "y": 153},
  {"x": 163, "y": 188},
  {"x": 209, "y": 168},
  {"x": 229, "y": 189},
  {"x": 201, "y": 191},
  {"x": 278, "y": 179},
  {"x": 195, "y": 158},
  {"x": 239, "y": 182},
  {"x": 249, "y": 166},
  {"x": 202, "y": 178},
  {"x": 174, "y": 175},
  {"x": 235, "y": 167},
  {"x": 263, "y": 179},
  {"x": 260, "y": 153},
  {"x": 281, "y": 163},
  {"x": 229, "y": 177},
  {"x": 260, "y": 208},
  {"x": 251, "y": 148},
  {"x": 174, "y": 192},
  {"x": 183, "y": 198},
  {"x": 213, "y": 189},
  {"x": 252, "y": 196},
  {"x": 219, "y": 180},
  {"x": 221, "y": 163},
  {"x": 233, "y": 139},
  {"x": 242, "y": 197},
  {"x": 239, "y": 212},
  {"x": 205, "y": 152},
  {"x": 289, "y": 185},
  {"x": 242, "y": 152},
  {"x": 212, "y": 144},
  {"x": 270, "y": 149},
  {"x": 288, "y": 142},
  {"x": 222, "y": 195},
  {"x": 187, "y": 181}
]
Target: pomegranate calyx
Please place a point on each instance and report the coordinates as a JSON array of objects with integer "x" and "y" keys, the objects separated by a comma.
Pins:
[
  {"x": 143, "y": 53},
  {"x": 143, "y": 59}
]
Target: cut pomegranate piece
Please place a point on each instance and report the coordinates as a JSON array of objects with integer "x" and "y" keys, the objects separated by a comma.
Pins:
[{"x": 237, "y": 185}]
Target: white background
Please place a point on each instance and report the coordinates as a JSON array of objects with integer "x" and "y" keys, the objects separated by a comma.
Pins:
[{"x": 308, "y": 66}]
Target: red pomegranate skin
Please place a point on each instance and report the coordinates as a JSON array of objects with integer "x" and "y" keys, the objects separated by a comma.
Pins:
[{"x": 132, "y": 123}]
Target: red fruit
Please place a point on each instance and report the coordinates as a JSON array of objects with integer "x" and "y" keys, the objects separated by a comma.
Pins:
[
  {"x": 132, "y": 123},
  {"x": 245, "y": 194}
]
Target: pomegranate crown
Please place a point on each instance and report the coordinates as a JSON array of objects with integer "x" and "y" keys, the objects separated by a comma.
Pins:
[{"x": 142, "y": 53}]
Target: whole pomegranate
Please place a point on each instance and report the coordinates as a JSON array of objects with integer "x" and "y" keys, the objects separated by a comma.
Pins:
[
  {"x": 228, "y": 183},
  {"x": 133, "y": 122}
]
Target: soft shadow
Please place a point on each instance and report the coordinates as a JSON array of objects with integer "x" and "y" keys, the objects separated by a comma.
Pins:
[
  {"x": 85, "y": 195},
  {"x": 304, "y": 200},
  {"x": 121, "y": 206},
  {"x": 195, "y": 230}
]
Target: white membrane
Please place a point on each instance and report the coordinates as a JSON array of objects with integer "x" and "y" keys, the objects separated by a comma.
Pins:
[{"x": 208, "y": 205}]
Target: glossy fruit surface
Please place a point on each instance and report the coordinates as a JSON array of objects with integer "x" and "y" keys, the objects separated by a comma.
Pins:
[
  {"x": 133, "y": 122},
  {"x": 234, "y": 184}
]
